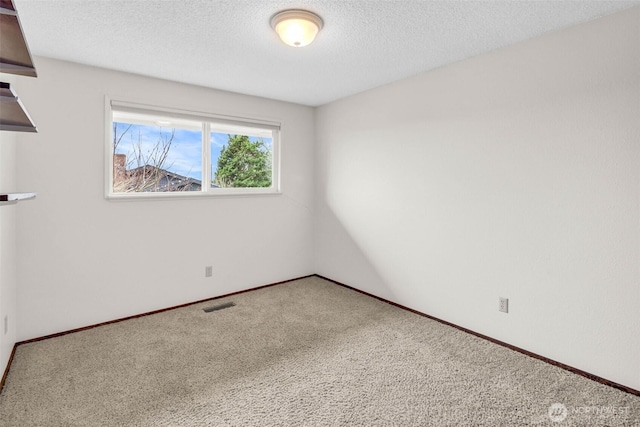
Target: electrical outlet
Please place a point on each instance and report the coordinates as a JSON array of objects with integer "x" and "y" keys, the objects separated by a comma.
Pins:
[
  {"x": 6, "y": 324},
  {"x": 503, "y": 305},
  {"x": 208, "y": 271}
]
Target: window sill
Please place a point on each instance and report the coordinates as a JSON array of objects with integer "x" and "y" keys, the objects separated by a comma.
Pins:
[{"x": 191, "y": 195}]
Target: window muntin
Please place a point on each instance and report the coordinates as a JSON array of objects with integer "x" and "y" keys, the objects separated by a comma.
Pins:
[{"x": 172, "y": 153}]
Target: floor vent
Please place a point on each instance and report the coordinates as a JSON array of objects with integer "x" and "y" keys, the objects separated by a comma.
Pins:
[{"x": 218, "y": 307}]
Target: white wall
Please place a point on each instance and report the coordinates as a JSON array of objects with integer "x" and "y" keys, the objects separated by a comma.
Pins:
[
  {"x": 8, "y": 276},
  {"x": 83, "y": 259},
  {"x": 515, "y": 174}
]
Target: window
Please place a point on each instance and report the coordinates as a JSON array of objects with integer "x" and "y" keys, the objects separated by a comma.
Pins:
[{"x": 155, "y": 152}]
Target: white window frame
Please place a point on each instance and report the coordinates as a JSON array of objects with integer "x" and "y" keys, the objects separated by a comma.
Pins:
[{"x": 209, "y": 122}]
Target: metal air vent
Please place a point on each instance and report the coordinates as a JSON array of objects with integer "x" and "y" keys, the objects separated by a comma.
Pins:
[{"x": 219, "y": 307}]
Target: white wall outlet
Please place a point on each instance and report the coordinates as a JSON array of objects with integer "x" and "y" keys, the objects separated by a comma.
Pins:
[
  {"x": 503, "y": 305},
  {"x": 6, "y": 324},
  {"x": 208, "y": 271}
]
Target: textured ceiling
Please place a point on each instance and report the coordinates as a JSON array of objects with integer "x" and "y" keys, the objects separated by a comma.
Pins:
[{"x": 229, "y": 44}]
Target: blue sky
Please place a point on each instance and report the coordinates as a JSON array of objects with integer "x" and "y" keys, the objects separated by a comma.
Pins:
[{"x": 185, "y": 153}]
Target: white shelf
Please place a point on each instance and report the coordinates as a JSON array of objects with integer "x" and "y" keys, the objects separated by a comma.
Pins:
[
  {"x": 14, "y": 197},
  {"x": 16, "y": 57},
  {"x": 13, "y": 116}
]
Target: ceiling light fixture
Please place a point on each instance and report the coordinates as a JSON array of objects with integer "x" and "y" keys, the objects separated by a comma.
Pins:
[{"x": 296, "y": 27}]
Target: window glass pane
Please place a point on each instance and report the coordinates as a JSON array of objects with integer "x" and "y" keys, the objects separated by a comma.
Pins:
[
  {"x": 241, "y": 160},
  {"x": 154, "y": 154}
]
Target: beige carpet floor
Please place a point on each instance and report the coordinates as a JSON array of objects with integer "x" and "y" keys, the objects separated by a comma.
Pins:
[{"x": 303, "y": 353}]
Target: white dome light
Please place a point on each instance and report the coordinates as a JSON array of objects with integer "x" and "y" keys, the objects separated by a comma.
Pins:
[{"x": 296, "y": 28}]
